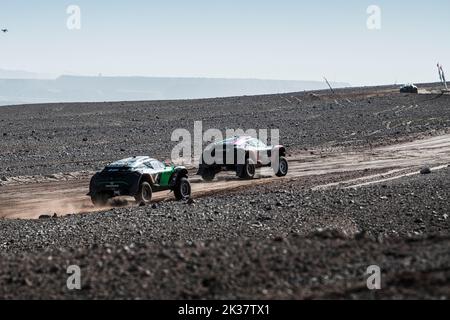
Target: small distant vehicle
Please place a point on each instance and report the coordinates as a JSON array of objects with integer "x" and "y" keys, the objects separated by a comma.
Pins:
[
  {"x": 251, "y": 153},
  {"x": 409, "y": 88},
  {"x": 4, "y": 30},
  {"x": 138, "y": 177}
]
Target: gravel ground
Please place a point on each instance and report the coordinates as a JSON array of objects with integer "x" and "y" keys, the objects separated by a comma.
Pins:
[
  {"x": 51, "y": 138},
  {"x": 320, "y": 266},
  {"x": 278, "y": 241}
]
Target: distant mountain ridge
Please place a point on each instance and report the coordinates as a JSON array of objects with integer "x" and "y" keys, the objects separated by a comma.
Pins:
[
  {"x": 19, "y": 74},
  {"x": 98, "y": 89}
]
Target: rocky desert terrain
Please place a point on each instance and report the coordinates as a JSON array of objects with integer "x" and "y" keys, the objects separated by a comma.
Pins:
[{"x": 354, "y": 197}]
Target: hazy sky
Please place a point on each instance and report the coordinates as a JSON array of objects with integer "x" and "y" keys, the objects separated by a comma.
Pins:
[{"x": 283, "y": 39}]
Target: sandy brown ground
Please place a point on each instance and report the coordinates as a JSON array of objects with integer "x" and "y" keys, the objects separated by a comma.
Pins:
[{"x": 30, "y": 200}]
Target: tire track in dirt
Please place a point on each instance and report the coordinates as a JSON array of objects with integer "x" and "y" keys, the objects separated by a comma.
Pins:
[{"x": 69, "y": 197}]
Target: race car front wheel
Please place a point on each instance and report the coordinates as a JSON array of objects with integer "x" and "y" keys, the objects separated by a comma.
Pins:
[
  {"x": 182, "y": 189},
  {"x": 144, "y": 194},
  {"x": 283, "y": 167}
]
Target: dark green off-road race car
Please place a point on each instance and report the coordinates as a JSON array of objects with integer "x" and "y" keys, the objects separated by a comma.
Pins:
[{"x": 138, "y": 177}]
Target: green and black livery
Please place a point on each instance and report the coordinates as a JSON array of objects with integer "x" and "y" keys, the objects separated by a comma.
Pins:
[{"x": 138, "y": 177}]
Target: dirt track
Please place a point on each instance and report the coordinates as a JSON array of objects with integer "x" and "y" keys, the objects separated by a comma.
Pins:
[{"x": 21, "y": 200}]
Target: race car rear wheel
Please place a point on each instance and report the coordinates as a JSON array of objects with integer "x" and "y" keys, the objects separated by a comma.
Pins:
[
  {"x": 100, "y": 199},
  {"x": 182, "y": 189},
  {"x": 248, "y": 170},
  {"x": 283, "y": 167},
  {"x": 144, "y": 194},
  {"x": 208, "y": 175}
]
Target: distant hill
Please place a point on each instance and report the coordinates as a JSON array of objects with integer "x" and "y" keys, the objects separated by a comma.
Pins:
[
  {"x": 19, "y": 74},
  {"x": 97, "y": 89}
]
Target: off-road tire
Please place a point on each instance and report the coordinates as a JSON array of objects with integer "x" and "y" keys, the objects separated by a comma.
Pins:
[
  {"x": 182, "y": 189},
  {"x": 248, "y": 170},
  {"x": 100, "y": 199},
  {"x": 144, "y": 195},
  {"x": 208, "y": 175},
  {"x": 283, "y": 167}
]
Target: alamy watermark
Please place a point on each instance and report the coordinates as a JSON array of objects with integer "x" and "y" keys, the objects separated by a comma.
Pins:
[
  {"x": 74, "y": 280},
  {"x": 74, "y": 19},
  {"x": 374, "y": 20},
  {"x": 190, "y": 146},
  {"x": 374, "y": 280}
]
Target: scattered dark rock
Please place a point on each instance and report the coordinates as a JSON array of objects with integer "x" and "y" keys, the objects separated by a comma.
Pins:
[
  {"x": 263, "y": 218},
  {"x": 425, "y": 170}
]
